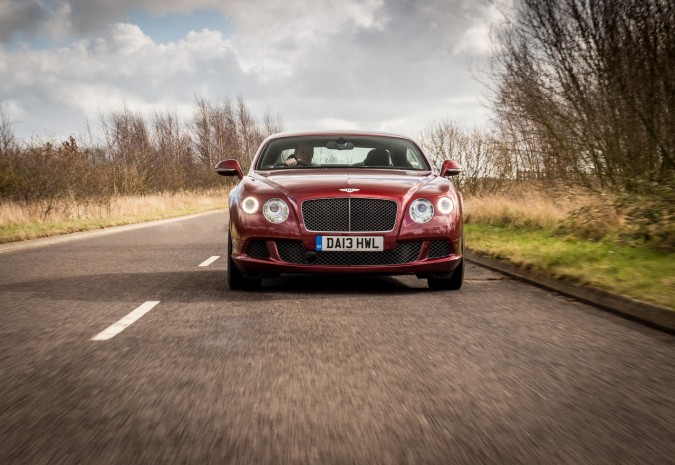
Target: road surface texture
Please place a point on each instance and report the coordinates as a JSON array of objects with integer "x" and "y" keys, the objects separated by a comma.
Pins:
[{"x": 325, "y": 370}]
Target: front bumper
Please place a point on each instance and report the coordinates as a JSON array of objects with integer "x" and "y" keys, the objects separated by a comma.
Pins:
[{"x": 270, "y": 257}]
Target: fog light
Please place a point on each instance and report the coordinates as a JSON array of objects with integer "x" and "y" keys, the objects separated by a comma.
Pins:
[
  {"x": 250, "y": 205},
  {"x": 445, "y": 205}
]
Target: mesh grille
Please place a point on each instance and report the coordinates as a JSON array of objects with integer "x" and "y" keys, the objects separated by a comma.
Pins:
[
  {"x": 326, "y": 214},
  {"x": 438, "y": 249},
  {"x": 258, "y": 249},
  {"x": 405, "y": 252},
  {"x": 347, "y": 214}
]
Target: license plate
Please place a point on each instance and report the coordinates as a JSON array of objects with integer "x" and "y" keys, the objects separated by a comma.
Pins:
[{"x": 350, "y": 243}]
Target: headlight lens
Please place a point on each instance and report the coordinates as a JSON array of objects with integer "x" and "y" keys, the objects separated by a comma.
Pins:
[
  {"x": 275, "y": 210},
  {"x": 445, "y": 205},
  {"x": 421, "y": 211},
  {"x": 250, "y": 205}
]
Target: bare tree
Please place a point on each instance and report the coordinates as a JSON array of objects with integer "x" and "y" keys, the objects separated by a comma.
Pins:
[
  {"x": 173, "y": 146},
  {"x": 130, "y": 151},
  {"x": 272, "y": 124},
  {"x": 7, "y": 138},
  {"x": 141, "y": 156},
  {"x": 586, "y": 90},
  {"x": 229, "y": 130},
  {"x": 485, "y": 165}
]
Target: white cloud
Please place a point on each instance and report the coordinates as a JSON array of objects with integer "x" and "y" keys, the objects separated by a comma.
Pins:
[
  {"x": 365, "y": 14},
  {"x": 476, "y": 39},
  {"x": 375, "y": 64},
  {"x": 19, "y": 17},
  {"x": 123, "y": 67},
  {"x": 58, "y": 24},
  {"x": 12, "y": 109},
  {"x": 335, "y": 123}
]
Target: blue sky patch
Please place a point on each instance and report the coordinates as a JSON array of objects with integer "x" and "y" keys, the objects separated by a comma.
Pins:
[{"x": 175, "y": 26}]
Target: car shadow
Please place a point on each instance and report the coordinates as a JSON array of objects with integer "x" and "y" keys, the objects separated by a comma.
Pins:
[
  {"x": 200, "y": 286},
  {"x": 332, "y": 284}
]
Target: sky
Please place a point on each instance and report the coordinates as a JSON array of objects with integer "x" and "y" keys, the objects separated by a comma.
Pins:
[{"x": 384, "y": 65}]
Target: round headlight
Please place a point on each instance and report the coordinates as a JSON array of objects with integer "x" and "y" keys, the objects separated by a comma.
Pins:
[
  {"x": 445, "y": 205},
  {"x": 421, "y": 211},
  {"x": 250, "y": 205},
  {"x": 275, "y": 210}
]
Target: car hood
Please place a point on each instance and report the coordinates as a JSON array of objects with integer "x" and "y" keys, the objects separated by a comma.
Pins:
[{"x": 301, "y": 185}]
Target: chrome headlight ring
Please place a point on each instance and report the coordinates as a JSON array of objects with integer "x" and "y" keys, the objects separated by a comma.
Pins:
[
  {"x": 275, "y": 211},
  {"x": 421, "y": 211}
]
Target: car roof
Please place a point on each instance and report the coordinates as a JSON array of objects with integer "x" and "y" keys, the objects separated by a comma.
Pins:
[{"x": 290, "y": 134}]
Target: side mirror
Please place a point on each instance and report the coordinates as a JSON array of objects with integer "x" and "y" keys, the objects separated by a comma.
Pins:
[
  {"x": 450, "y": 168},
  {"x": 229, "y": 168}
]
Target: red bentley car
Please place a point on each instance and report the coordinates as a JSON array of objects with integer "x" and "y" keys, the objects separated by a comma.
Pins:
[{"x": 344, "y": 202}]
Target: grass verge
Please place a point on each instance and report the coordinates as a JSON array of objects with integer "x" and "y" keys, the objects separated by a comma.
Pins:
[
  {"x": 18, "y": 225},
  {"x": 638, "y": 272}
]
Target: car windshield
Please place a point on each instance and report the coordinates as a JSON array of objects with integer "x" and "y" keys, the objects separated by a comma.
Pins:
[{"x": 341, "y": 152}]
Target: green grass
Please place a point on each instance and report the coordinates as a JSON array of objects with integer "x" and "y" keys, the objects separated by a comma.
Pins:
[
  {"x": 638, "y": 272},
  {"x": 20, "y": 232}
]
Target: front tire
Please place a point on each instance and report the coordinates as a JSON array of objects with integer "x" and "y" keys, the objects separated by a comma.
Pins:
[
  {"x": 453, "y": 283},
  {"x": 235, "y": 278}
]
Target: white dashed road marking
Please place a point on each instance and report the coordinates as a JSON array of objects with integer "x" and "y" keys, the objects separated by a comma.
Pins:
[
  {"x": 115, "y": 329},
  {"x": 210, "y": 260}
]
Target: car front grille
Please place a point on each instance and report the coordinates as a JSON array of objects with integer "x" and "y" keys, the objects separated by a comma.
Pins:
[
  {"x": 438, "y": 249},
  {"x": 349, "y": 215},
  {"x": 404, "y": 252},
  {"x": 258, "y": 249}
]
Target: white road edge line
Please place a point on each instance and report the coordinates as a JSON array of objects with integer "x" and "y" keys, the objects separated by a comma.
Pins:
[
  {"x": 114, "y": 329},
  {"x": 210, "y": 260}
]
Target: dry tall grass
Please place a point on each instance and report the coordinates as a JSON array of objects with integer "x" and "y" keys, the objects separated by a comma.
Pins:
[
  {"x": 630, "y": 218},
  {"x": 549, "y": 208},
  {"x": 14, "y": 213}
]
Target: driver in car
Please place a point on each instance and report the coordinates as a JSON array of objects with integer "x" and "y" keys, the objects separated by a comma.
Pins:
[{"x": 303, "y": 156}]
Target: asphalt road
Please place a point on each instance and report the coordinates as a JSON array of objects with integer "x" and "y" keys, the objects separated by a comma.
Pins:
[{"x": 326, "y": 370}]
